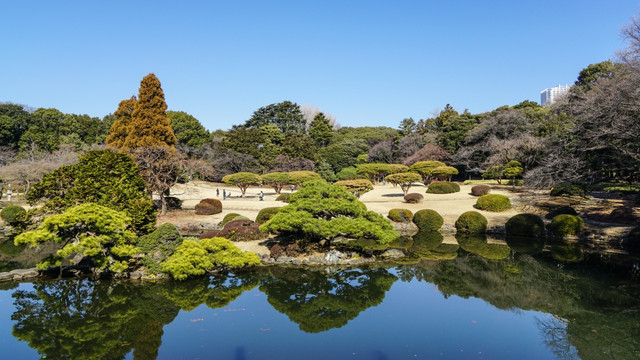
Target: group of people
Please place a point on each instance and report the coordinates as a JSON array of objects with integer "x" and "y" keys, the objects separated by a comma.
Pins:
[{"x": 226, "y": 194}]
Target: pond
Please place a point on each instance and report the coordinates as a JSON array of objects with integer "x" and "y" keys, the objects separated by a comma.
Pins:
[{"x": 470, "y": 307}]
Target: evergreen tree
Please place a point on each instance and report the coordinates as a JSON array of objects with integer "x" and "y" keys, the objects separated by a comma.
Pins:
[{"x": 320, "y": 130}]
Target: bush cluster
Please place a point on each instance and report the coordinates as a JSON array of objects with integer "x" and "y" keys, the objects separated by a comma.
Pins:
[
  {"x": 265, "y": 214},
  {"x": 13, "y": 214},
  {"x": 567, "y": 189},
  {"x": 428, "y": 220},
  {"x": 530, "y": 225},
  {"x": 565, "y": 224},
  {"x": 400, "y": 215},
  {"x": 480, "y": 190},
  {"x": 209, "y": 207},
  {"x": 237, "y": 230},
  {"x": 471, "y": 222},
  {"x": 568, "y": 210},
  {"x": 493, "y": 202},
  {"x": 443, "y": 187},
  {"x": 413, "y": 198}
]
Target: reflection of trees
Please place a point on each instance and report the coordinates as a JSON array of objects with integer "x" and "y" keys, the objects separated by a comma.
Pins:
[
  {"x": 107, "y": 319},
  {"x": 477, "y": 244},
  {"x": 595, "y": 312},
  {"x": 318, "y": 301}
]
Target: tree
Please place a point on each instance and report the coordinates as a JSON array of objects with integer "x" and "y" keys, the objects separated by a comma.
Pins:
[
  {"x": 44, "y": 130},
  {"x": 14, "y": 121},
  {"x": 160, "y": 168},
  {"x": 592, "y": 73},
  {"x": 121, "y": 127},
  {"x": 356, "y": 187},
  {"x": 102, "y": 177},
  {"x": 284, "y": 163},
  {"x": 320, "y": 130},
  {"x": 242, "y": 180},
  {"x": 495, "y": 172},
  {"x": 511, "y": 170},
  {"x": 300, "y": 177},
  {"x": 276, "y": 180},
  {"x": 407, "y": 126},
  {"x": 382, "y": 152},
  {"x": 91, "y": 230},
  {"x": 299, "y": 146},
  {"x": 149, "y": 125},
  {"x": 425, "y": 168},
  {"x": 188, "y": 130},
  {"x": 428, "y": 152},
  {"x": 444, "y": 172},
  {"x": 322, "y": 211},
  {"x": 404, "y": 180},
  {"x": 285, "y": 115}
]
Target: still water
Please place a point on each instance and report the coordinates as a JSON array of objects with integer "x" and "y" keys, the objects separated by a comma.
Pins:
[{"x": 521, "y": 306}]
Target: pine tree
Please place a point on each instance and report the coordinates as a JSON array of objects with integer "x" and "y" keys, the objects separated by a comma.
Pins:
[
  {"x": 320, "y": 130},
  {"x": 121, "y": 127}
]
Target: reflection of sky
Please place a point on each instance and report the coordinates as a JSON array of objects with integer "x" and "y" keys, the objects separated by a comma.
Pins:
[
  {"x": 11, "y": 347},
  {"x": 414, "y": 319}
]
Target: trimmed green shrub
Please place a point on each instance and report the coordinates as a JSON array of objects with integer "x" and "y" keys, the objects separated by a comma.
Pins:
[
  {"x": 413, "y": 198},
  {"x": 530, "y": 225},
  {"x": 13, "y": 214},
  {"x": 283, "y": 197},
  {"x": 560, "y": 211},
  {"x": 209, "y": 207},
  {"x": 443, "y": 187},
  {"x": 565, "y": 224},
  {"x": 229, "y": 217},
  {"x": 480, "y": 190},
  {"x": 400, "y": 215},
  {"x": 493, "y": 202},
  {"x": 265, "y": 214},
  {"x": 567, "y": 189},
  {"x": 428, "y": 220},
  {"x": 471, "y": 222},
  {"x": 158, "y": 246}
]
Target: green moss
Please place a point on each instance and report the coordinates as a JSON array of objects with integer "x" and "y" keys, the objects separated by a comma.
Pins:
[
  {"x": 428, "y": 220},
  {"x": 563, "y": 225},
  {"x": 530, "y": 225},
  {"x": 493, "y": 202},
  {"x": 265, "y": 214},
  {"x": 13, "y": 214},
  {"x": 471, "y": 222},
  {"x": 443, "y": 187},
  {"x": 400, "y": 215}
]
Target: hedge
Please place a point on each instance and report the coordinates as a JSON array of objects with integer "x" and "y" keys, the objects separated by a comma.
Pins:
[
  {"x": 428, "y": 220},
  {"x": 471, "y": 222},
  {"x": 493, "y": 202},
  {"x": 443, "y": 187},
  {"x": 400, "y": 215},
  {"x": 530, "y": 225}
]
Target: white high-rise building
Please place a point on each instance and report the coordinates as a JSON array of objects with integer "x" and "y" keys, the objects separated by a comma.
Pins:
[{"x": 549, "y": 96}]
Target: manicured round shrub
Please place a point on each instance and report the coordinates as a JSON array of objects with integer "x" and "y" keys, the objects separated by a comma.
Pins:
[
  {"x": 283, "y": 197},
  {"x": 13, "y": 214},
  {"x": 443, "y": 187},
  {"x": 265, "y": 214},
  {"x": 493, "y": 202},
  {"x": 471, "y": 222},
  {"x": 530, "y": 225},
  {"x": 561, "y": 210},
  {"x": 209, "y": 207},
  {"x": 228, "y": 217},
  {"x": 567, "y": 189},
  {"x": 428, "y": 220},
  {"x": 413, "y": 198},
  {"x": 479, "y": 190},
  {"x": 565, "y": 224},
  {"x": 400, "y": 215}
]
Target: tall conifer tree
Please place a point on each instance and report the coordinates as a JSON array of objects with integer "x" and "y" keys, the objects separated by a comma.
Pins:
[{"x": 120, "y": 128}]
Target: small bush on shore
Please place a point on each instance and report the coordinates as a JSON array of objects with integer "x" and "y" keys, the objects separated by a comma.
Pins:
[
  {"x": 563, "y": 225},
  {"x": 530, "y": 225},
  {"x": 428, "y": 220},
  {"x": 471, "y": 222},
  {"x": 400, "y": 215},
  {"x": 493, "y": 202}
]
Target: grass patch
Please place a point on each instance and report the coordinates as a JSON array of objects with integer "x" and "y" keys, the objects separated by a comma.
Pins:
[{"x": 617, "y": 188}]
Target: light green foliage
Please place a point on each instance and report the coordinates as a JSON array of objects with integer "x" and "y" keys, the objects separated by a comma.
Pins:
[
  {"x": 530, "y": 225},
  {"x": 565, "y": 224},
  {"x": 567, "y": 189},
  {"x": 276, "y": 180},
  {"x": 94, "y": 231},
  {"x": 594, "y": 72},
  {"x": 493, "y": 202},
  {"x": 194, "y": 258},
  {"x": 513, "y": 169},
  {"x": 322, "y": 211},
  {"x": 428, "y": 220},
  {"x": 405, "y": 180},
  {"x": 188, "y": 130},
  {"x": 302, "y": 176},
  {"x": 13, "y": 214},
  {"x": 356, "y": 187},
  {"x": 425, "y": 169},
  {"x": 471, "y": 222},
  {"x": 242, "y": 180},
  {"x": 102, "y": 177},
  {"x": 348, "y": 173},
  {"x": 443, "y": 187},
  {"x": 400, "y": 215}
]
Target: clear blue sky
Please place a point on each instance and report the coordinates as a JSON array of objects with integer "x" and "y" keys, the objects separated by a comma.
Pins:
[{"x": 366, "y": 62}]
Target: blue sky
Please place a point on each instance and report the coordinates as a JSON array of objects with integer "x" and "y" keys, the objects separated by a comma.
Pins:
[{"x": 368, "y": 63}]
